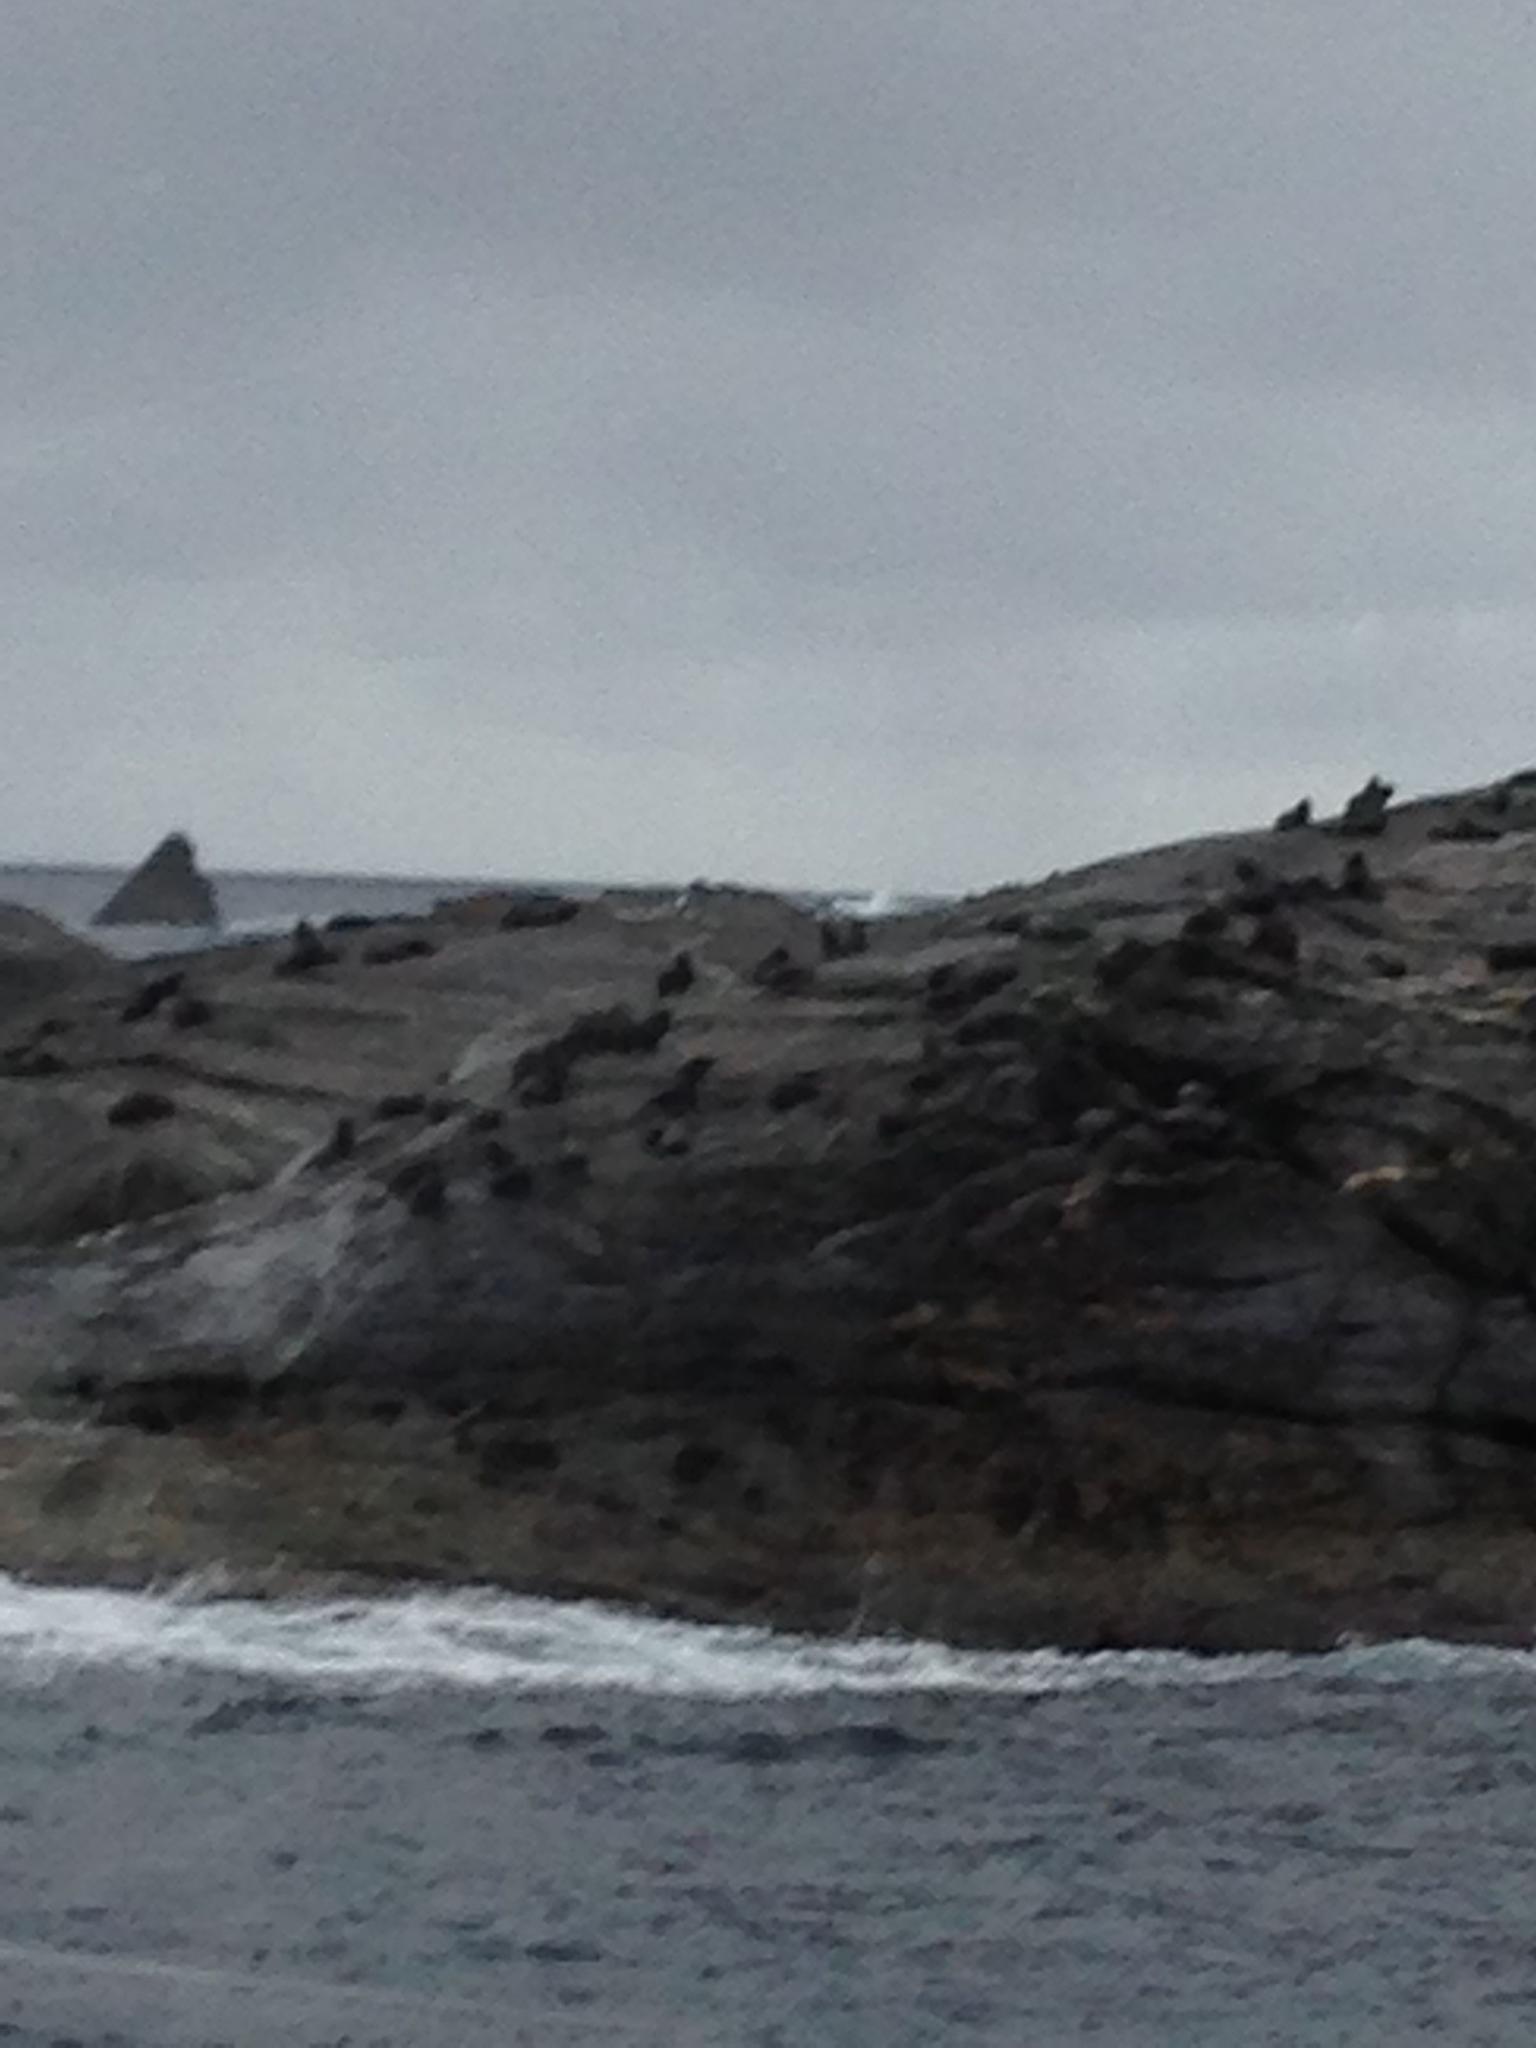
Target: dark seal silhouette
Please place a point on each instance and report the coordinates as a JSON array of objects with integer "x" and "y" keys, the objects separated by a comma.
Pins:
[{"x": 1365, "y": 815}]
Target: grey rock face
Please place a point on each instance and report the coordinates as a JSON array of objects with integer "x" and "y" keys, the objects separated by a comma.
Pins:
[
  {"x": 38, "y": 959},
  {"x": 167, "y": 889},
  {"x": 1204, "y": 1245}
]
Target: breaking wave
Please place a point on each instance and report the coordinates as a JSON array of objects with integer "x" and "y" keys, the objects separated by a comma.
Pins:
[{"x": 487, "y": 1640}]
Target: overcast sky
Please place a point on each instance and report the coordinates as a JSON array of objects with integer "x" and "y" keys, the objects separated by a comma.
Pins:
[{"x": 903, "y": 442}]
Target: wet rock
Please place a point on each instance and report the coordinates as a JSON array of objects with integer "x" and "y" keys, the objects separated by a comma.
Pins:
[
  {"x": 167, "y": 889},
  {"x": 1365, "y": 815},
  {"x": 1297, "y": 818},
  {"x": 1511, "y": 956}
]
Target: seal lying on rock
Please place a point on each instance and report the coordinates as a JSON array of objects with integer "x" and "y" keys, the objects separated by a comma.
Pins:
[{"x": 306, "y": 952}]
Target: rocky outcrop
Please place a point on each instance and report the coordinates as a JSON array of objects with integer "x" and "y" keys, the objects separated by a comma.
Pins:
[
  {"x": 39, "y": 959},
  {"x": 1128, "y": 1257},
  {"x": 167, "y": 889}
]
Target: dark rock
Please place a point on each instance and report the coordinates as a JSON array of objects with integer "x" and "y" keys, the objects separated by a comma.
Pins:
[
  {"x": 145, "y": 1001},
  {"x": 781, "y": 974},
  {"x": 1211, "y": 921},
  {"x": 339, "y": 1147},
  {"x": 1014, "y": 924},
  {"x": 541, "y": 1076},
  {"x": 696, "y": 1462},
  {"x": 680, "y": 1097},
  {"x": 1297, "y": 818},
  {"x": 1276, "y": 938},
  {"x": 390, "y": 952},
  {"x": 1390, "y": 966},
  {"x": 166, "y": 889},
  {"x": 1063, "y": 931},
  {"x": 1365, "y": 815},
  {"x": 392, "y": 1106},
  {"x": 1125, "y": 961},
  {"x": 191, "y": 1013},
  {"x": 1358, "y": 882},
  {"x": 511, "y": 1181},
  {"x": 306, "y": 952},
  {"x": 997, "y": 1026},
  {"x": 350, "y": 921},
  {"x": 140, "y": 1106},
  {"x": 616, "y": 1032},
  {"x": 668, "y": 1141},
  {"x": 1467, "y": 829},
  {"x": 538, "y": 912},
  {"x": 794, "y": 1091},
  {"x": 677, "y": 977},
  {"x": 1512, "y": 956},
  {"x": 485, "y": 1120},
  {"x": 32, "y": 1063},
  {"x": 843, "y": 938},
  {"x": 421, "y": 1184},
  {"x": 955, "y": 988},
  {"x": 510, "y": 1454}
]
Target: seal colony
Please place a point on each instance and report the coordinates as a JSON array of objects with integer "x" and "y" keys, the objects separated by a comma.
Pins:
[{"x": 1146, "y": 1255}]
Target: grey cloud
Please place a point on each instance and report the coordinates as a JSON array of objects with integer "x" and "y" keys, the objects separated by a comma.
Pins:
[{"x": 894, "y": 403}]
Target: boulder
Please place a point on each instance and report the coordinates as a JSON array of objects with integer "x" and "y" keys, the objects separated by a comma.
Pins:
[
  {"x": 39, "y": 959},
  {"x": 168, "y": 889}
]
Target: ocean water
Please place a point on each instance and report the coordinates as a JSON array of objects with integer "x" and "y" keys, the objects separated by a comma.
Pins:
[
  {"x": 438, "y": 1821},
  {"x": 258, "y": 905}
]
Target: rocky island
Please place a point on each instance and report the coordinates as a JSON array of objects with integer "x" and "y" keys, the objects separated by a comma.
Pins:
[{"x": 1145, "y": 1255}]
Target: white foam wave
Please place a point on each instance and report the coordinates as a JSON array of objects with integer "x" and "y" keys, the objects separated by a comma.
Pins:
[{"x": 487, "y": 1640}]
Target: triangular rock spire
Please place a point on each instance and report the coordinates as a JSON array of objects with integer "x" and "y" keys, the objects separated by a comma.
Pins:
[{"x": 167, "y": 889}]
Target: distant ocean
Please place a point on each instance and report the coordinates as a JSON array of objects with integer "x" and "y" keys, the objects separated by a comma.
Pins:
[{"x": 258, "y": 905}]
